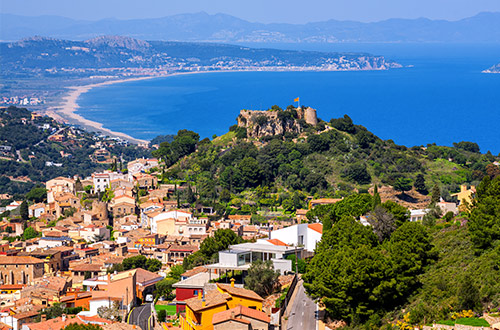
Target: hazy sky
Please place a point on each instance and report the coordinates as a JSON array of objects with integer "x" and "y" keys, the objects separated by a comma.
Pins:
[{"x": 266, "y": 11}]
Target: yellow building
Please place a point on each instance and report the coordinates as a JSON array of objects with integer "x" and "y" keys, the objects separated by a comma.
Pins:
[
  {"x": 465, "y": 196},
  {"x": 200, "y": 310},
  {"x": 149, "y": 241}
]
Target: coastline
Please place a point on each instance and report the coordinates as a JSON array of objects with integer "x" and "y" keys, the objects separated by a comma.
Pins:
[{"x": 65, "y": 112}]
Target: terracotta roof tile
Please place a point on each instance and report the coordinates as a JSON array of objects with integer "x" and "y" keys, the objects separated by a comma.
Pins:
[
  {"x": 13, "y": 260},
  {"x": 194, "y": 271},
  {"x": 275, "y": 241},
  {"x": 53, "y": 324},
  {"x": 316, "y": 227},
  {"x": 240, "y": 311},
  {"x": 212, "y": 298},
  {"x": 239, "y": 292}
]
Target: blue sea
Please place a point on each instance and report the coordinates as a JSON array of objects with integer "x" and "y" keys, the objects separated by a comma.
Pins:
[{"x": 441, "y": 96}]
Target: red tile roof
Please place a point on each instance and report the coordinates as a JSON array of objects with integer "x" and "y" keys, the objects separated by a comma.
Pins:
[
  {"x": 316, "y": 227},
  {"x": 275, "y": 241},
  {"x": 234, "y": 291},
  {"x": 53, "y": 324},
  {"x": 240, "y": 311},
  {"x": 8, "y": 260}
]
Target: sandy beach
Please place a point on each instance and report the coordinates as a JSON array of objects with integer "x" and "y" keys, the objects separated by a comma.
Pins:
[{"x": 66, "y": 112}]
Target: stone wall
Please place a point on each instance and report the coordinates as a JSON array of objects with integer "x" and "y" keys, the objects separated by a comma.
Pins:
[{"x": 266, "y": 123}]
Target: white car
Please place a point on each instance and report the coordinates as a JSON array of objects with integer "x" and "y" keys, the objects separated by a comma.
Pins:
[{"x": 149, "y": 298}]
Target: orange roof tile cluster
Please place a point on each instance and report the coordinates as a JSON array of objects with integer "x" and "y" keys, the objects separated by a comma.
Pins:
[
  {"x": 234, "y": 291},
  {"x": 316, "y": 227},
  {"x": 275, "y": 241},
  {"x": 52, "y": 282},
  {"x": 194, "y": 271},
  {"x": 212, "y": 298},
  {"x": 237, "y": 312},
  {"x": 86, "y": 268},
  {"x": 94, "y": 319},
  {"x": 14, "y": 260},
  {"x": 54, "y": 324}
]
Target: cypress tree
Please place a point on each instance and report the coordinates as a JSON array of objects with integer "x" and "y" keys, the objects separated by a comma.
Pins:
[
  {"x": 376, "y": 198},
  {"x": 435, "y": 195},
  {"x": 23, "y": 210}
]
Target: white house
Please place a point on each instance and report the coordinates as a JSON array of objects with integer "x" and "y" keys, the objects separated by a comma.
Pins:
[
  {"x": 50, "y": 242},
  {"x": 89, "y": 232},
  {"x": 101, "y": 181},
  {"x": 36, "y": 210},
  {"x": 241, "y": 256},
  {"x": 12, "y": 206},
  {"x": 304, "y": 234},
  {"x": 418, "y": 215},
  {"x": 178, "y": 217}
]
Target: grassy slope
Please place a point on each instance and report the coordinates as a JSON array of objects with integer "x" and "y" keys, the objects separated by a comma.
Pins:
[{"x": 438, "y": 295}]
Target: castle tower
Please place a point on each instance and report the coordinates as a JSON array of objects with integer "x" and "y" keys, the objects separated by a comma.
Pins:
[{"x": 310, "y": 116}]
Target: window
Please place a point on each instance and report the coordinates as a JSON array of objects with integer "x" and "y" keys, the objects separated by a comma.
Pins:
[{"x": 195, "y": 292}]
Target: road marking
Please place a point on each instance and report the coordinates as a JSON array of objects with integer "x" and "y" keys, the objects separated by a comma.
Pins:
[
  {"x": 128, "y": 319},
  {"x": 139, "y": 316},
  {"x": 149, "y": 322}
]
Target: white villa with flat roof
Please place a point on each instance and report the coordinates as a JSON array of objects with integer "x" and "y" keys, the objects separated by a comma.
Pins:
[{"x": 241, "y": 256}]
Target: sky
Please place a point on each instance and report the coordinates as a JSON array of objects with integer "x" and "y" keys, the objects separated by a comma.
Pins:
[{"x": 264, "y": 11}]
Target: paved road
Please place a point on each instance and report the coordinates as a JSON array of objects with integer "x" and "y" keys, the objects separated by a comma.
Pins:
[
  {"x": 140, "y": 316},
  {"x": 303, "y": 313}
]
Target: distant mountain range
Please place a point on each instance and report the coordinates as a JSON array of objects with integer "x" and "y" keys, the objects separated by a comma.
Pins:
[
  {"x": 482, "y": 28},
  {"x": 116, "y": 54}
]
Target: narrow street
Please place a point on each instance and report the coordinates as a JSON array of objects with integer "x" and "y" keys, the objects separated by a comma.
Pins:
[
  {"x": 140, "y": 316},
  {"x": 303, "y": 313}
]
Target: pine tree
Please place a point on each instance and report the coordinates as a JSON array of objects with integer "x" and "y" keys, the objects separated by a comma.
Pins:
[{"x": 420, "y": 184}]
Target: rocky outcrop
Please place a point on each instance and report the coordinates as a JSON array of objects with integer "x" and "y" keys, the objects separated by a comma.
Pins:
[{"x": 276, "y": 121}]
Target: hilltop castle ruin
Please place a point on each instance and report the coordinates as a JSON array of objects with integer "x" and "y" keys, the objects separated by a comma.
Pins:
[{"x": 261, "y": 123}]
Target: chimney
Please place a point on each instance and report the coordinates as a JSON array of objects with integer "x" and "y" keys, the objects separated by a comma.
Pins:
[
  {"x": 232, "y": 314},
  {"x": 109, "y": 278},
  {"x": 232, "y": 282},
  {"x": 63, "y": 317},
  {"x": 43, "y": 318}
]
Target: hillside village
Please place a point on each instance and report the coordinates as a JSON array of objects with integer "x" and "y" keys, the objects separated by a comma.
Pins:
[
  {"x": 88, "y": 225},
  {"x": 79, "y": 237}
]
